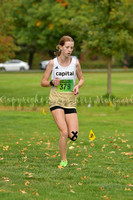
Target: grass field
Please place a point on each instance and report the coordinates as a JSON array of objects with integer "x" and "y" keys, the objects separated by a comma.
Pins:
[
  {"x": 29, "y": 153},
  {"x": 27, "y": 85}
]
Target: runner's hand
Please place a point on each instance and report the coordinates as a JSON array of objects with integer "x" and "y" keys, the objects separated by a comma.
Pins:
[
  {"x": 76, "y": 90},
  {"x": 56, "y": 81}
]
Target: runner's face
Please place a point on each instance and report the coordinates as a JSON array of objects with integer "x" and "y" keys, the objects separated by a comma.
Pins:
[{"x": 67, "y": 48}]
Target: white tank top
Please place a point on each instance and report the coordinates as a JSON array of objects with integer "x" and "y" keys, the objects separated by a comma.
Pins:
[{"x": 64, "y": 73}]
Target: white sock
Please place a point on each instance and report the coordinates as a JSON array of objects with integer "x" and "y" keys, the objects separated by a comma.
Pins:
[{"x": 63, "y": 160}]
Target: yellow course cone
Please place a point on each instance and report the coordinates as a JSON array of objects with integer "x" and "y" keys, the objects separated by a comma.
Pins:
[
  {"x": 91, "y": 135},
  {"x": 43, "y": 111},
  {"x": 111, "y": 104}
]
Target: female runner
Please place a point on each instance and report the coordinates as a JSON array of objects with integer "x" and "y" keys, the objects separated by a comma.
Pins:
[{"x": 63, "y": 93}]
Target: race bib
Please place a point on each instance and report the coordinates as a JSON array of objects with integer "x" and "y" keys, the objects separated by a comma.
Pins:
[{"x": 65, "y": 86}]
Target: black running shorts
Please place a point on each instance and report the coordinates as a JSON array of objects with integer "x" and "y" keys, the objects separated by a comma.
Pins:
[{"x": 66, "y": 110}]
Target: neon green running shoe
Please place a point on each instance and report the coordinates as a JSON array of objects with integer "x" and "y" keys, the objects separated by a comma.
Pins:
[{"x": 63, "y": 163}]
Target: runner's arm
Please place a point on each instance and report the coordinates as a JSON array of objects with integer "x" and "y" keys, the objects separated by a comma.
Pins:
[
  {"x": 45, "y": 80},
  {"x": 79, "y": 74},
  {"x": 80, "y": 77}
]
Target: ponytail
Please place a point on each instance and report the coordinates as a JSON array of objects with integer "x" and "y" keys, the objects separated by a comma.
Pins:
[{"x": 57, "y": 51}]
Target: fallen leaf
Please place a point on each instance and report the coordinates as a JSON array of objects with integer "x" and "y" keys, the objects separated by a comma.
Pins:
[
  {"x": 101, "y": 188},
  {"x": 126, "y": 176},
  {"x": 27, "y": 182},
  {"x": 36, "y": 193},
  {"x": 48, "y": 142},
  {"x": 79, "y": 169},
  {"x": 71, "y": 147},
  {"x": 83, "y": 162},
  {"x": 36, "y": 158},
  {"x": 74, "y": 164},
  {"x": 123, "y": 141},
  {"x": 128, "y": 154},
  {"x": 72, "y": 191},
  {"x": 60, "y": 167},
  {"x": 39, "y": 143},
  {"x": 103, "y": 146},
  {"x": 128, "y": 146},
  {"x": 57, "y": 183},
  {"x": 5, "y": 148},
  {"x": 5, "y": 179},
  {"x": 80, "y": 183},
  {"x": 29, "y": 174},
  {"x": 130, "y": 185},
  {"x": 112, "y": 152},
  {"x": 47, "y": 154},
  {"x": 127, "y": 189},
  {"x": 23, "y": 191}
]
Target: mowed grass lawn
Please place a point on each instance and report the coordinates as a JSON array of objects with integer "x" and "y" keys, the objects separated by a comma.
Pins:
[
  {"x": 27, "y": 85},
  {"x": 29, "y": 153}
]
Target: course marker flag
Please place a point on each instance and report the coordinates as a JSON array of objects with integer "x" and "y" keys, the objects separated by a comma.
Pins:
[
  {"x": 43, "y": 111},
  {"x": 91, "y": 135}
]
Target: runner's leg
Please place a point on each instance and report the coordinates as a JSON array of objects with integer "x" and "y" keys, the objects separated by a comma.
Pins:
[
  {"x": 59, "y": 117},
  {"x": 72, "y": 124}
]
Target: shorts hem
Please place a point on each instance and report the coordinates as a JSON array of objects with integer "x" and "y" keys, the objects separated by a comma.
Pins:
[{"x": 66, "y": 110}]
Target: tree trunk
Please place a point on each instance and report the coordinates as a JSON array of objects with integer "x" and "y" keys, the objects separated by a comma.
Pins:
[
  {"x": 109, "y": 77},
  {"x": 31, "y": 56}
]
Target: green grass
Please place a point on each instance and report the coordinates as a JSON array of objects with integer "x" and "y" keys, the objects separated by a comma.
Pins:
[
  {"x": 27, "y": 85},
  {"x": 29, "y": 153},
  {"x": 29, "y": 156}
]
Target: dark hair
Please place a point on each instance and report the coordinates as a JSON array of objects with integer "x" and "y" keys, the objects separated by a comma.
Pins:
[{"x": 62, "y": 41}]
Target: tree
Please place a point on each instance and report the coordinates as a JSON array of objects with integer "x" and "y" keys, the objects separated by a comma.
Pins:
[
  {"x": 109, "y": 31},
  {"x": 38, "y": 24},
  {"x": 7, "y": 43}
]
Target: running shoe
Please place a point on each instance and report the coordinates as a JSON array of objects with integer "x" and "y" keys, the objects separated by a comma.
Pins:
[{"x": 63, "y": 163}]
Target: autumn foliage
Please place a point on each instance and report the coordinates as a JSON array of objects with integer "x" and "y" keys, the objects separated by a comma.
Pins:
[
  {"x": 63, "y": 3},
  {"x": 6, "y": 48}
]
